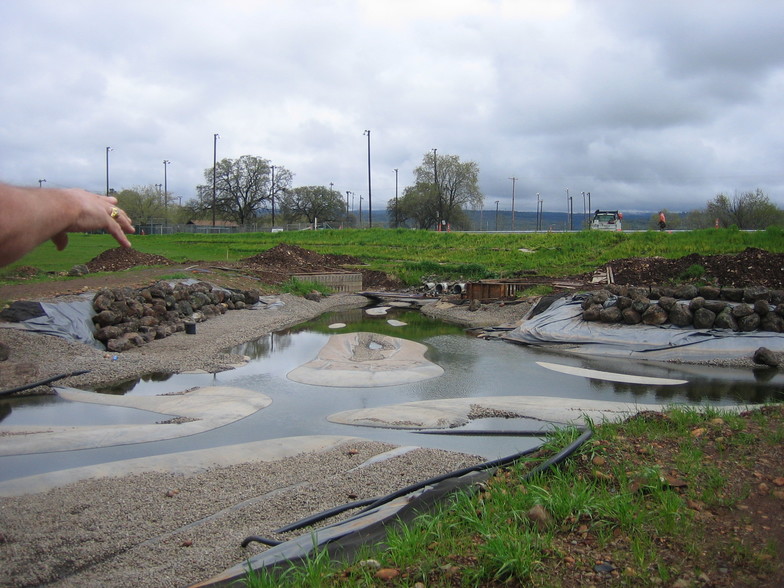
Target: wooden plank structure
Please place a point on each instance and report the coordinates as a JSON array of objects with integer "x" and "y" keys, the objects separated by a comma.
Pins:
[
  {"x": 349, "y": 282},
  {"x": 508, "y": 289}
]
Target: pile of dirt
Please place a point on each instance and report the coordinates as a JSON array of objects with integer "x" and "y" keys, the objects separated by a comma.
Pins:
[
  {"x": 120, "y": 258},
  {"x": 277, "y": 265},
  {"x": 751, "y": 267}
]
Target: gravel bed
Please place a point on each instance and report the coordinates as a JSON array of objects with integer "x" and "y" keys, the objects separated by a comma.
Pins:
[{"x": 154, "y": 529}]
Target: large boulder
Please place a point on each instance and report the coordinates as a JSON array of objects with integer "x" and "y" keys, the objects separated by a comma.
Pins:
[{"x": 654, "y": 315}]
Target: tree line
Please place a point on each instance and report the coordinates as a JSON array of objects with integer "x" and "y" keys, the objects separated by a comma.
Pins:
[{"x": 251, "y": 190}]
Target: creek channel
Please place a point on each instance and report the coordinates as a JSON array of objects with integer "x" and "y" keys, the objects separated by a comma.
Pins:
[{"x": 473, "y": 367}]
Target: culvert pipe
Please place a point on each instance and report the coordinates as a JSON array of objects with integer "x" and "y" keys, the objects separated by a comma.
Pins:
[{"x": 442, "y": 288}]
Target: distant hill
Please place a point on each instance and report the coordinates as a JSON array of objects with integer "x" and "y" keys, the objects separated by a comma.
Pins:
[{"x": 553, "y": 221}]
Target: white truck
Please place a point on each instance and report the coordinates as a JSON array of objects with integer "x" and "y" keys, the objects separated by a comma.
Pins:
[{"x": 607, "y": 220}]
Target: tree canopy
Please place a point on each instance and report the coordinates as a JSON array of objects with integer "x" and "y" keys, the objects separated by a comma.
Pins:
[
  {"x": 243, "y": 188},
  {"x": 444, "y": 187},
  {"x": 311, "y": 203}
]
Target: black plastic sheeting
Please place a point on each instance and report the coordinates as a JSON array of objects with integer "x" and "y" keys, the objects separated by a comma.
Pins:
[
  {"x": 69, "y": 320},
  {"x": 562, "y": 328}
]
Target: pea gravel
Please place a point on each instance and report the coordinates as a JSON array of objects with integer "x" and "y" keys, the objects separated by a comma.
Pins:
[{"x": 161, "y": 529}]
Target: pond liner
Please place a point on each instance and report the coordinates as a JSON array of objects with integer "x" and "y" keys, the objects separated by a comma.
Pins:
[{"x": 343, "y": 540}]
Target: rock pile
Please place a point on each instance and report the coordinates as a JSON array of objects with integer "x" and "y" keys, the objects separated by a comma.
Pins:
[
  {"x": 707, "y": 307},
  {"x": 127, "y": 317}
]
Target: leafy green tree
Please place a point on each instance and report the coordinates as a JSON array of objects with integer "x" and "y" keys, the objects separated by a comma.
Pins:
[
  {"x": 142, "y": 203},
  {"x": 749, "y": 210},
  {"x": 456, "y": 186},
  {"x": 312, "y": 203},
  {"x": 243, "y": 188},
  {"x": 417, "y": 206}
]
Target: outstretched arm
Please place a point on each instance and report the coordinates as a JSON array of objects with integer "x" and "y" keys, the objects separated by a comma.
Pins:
[{"x": 30, "y": 216}]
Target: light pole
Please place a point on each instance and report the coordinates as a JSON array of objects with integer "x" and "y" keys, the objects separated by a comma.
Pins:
[
  {"x": 41, "y": 183},
  {"x": 215, "y": 138},
  {"x": 538, "y": 212},
  {"x": 397, "y": 218},
  {"x": 496, "y": 215},
  {"x": 568, "y": 221},
  {"x": 166, "y": 163},
  {"x": 107, "y": 169},
  {"x": 438, "y": 188},
  {"x": 360, "y": 210},
  {"x": 348, "y": 193},
  {"x": 370, "y": 197},
  {"x": 514, "y": 179},
  {"x": 272, "y": 194}
]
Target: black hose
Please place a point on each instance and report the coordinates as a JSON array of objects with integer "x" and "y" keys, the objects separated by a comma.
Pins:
[
  {"x": 561, "y": 455},
  {"x": 325, "y": 514},
  {"x": 257, "y": 539},
  {"x": 485, "y": 433},
  {"x": 42, "y": 382},
  {"x": 371, "y": 503}
]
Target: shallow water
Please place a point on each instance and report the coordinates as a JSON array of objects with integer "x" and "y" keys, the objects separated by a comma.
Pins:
[{"x": 473, "y": 368}]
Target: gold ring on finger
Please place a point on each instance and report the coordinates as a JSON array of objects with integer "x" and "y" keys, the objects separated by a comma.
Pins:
[{"x": 115, "y": 212}]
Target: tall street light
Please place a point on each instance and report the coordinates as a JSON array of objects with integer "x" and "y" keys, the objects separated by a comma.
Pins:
[
  {"x": 513, "y": 196},
  {"x": 397, "y": 218},
  {"x": 107, "y": 169},
  {"x": 370, "y": 197},
  {"x": 215, "y": 138},
  {"x": 348, "y": 193},
  {"x": 166, "y": 162},
  {"x": 272, "y": 194},
  {"x": 438, "y": 188},
  {"x": 41, "y": 183},
  {"x": 496, "y": 215}
]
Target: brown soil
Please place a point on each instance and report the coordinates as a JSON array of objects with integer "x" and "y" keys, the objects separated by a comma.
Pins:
[
  {"x": 751, "y": 267},
  {"x": 739, "y": 529}
]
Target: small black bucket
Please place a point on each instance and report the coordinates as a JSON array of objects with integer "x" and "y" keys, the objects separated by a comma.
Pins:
[{"x": 190, "y": 328}]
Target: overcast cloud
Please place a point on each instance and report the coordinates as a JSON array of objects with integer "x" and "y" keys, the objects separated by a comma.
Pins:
[{"x": 647, "y": 105}]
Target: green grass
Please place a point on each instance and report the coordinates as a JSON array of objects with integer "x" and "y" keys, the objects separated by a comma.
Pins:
[
  {"x": 412, "y": 254},
  {"x": 486, "y": 538}
]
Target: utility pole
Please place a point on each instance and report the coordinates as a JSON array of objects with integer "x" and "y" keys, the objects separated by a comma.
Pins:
[
  {"x": 370, "y": 197},
  {"x": 215, "y": 138},
  {"x": 166, "y": 162},
  {"x": 397, "y": 217},
  {"x": 107, "y": 169},
  {"x": 438, "y": 188},
  {"x": 496, "y": 215},
  {"x": 513, "y": 206},
  {"x": 272, "y": 194}
]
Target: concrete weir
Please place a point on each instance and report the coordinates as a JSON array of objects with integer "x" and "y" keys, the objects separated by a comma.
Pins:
[{"x": 366, "y": 360}]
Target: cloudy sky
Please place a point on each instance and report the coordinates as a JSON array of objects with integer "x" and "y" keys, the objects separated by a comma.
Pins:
[{"x": 644, "y": 104}]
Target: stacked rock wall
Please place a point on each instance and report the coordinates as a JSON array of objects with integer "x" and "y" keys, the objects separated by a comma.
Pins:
[
  {"x": 127, "y": 317},
  {"x": 707, "y": 307}
]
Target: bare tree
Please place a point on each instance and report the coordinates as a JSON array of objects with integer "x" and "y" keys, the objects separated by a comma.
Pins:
[
  {"x": 243, "y": 187},
  {"x": 750, "y": 210}
]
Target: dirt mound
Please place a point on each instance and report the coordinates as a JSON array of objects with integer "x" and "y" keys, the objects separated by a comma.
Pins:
[
  {"x": 296, "y": 259},
  {"x": 276, "y": 265},
  {"x": 751, "y": 267},
  {"x": 119, "y": 258}
]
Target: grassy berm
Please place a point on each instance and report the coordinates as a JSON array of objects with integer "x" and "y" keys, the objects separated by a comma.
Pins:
[{"x": 677, "y": 499}]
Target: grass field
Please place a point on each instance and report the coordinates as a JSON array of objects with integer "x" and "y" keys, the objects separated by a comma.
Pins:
[{"x": 411, "y": 254}]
